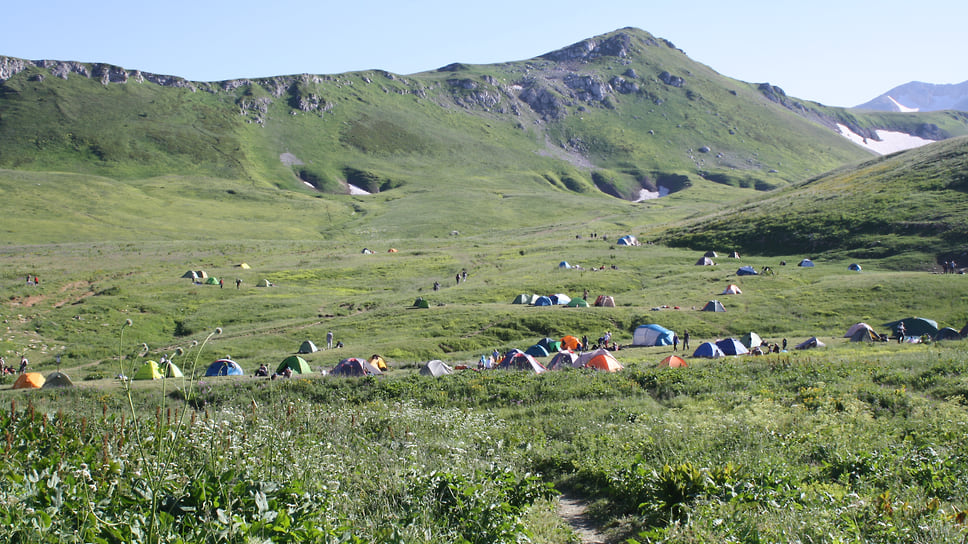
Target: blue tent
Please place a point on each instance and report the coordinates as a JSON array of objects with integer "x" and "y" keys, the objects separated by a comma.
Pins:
[
  {"x": 537, "y": 351},
  {"x": 652, "y": 335},
  {"x": 564, "y": 264},
  {"x": 747, "y": 271},
  {"x": 224, "y": 367},
  {"x": 708, "y": 350},
  {"x": 854, "y": 267},
  {"x": 544, "y": 301},
  {"x": 628, "y": 240},
  {"x": 732, "y": 346},
  {"x": 807, "y": 263}
]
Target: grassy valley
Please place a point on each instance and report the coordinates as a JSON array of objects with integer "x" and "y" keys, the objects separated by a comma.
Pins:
[{"x": 116, "y": 183}]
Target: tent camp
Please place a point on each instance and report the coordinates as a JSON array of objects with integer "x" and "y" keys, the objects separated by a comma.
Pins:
[
  {"x": 169, "y": 369},
  {"x": 713, "y": 306},
  {"x": 379, "y": 362},
  {"x": 856, "y": 327},
  {"x": 562, "y": 360},
  {"x": 806, "y": 263},
  {"x": 731, "y": 346},
  {"x": 522, "y": 299},
  {"x": 436, "y": 368},
  {"x": 673, "y": 361},
  {"x": 600, "y": 359},
  {"x": 564, "y": 264},
  {"x": 577, "y": 302},
  {"x": 29, "y": 380},
  {"x": 947, "y": 333},
  {"x": 652, "y": 335},
  {"x": 224, "y": 367},
  {"x": 605, "y": 300},
  {"x": 705, "y": 261},
  {"x": 915, "y": 326},
  {"x": 747, "y": 271},
  {"x": 421, "y": 303},
  {"x": 148, "y": 371},
  {"x": 518, "y": 360},
  {"x": 708, "y": 350},
  {"x": 811, "y": 343},
  {"x": 854, "y": 267},
  {"x": 732, "y": 289},
  {"x": 297, "y": 364},
  {"x": 537, "y": 351},
  {"x": 560, "y": 299},
  {"x": 57, "y": 379},
  {"x": 354, "y": 366},
  {"x": 628, "y": 240},
  {"x": 751, "y": 340},
  {"x": 544, "y": 301},
  {"x": 307, "y": 347}
]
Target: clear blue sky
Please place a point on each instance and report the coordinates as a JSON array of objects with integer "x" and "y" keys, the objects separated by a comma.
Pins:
[{"x": 840, "y": 53}]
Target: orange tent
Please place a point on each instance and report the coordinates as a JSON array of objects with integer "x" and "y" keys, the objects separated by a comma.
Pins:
[
  {"x": 569, "y": 342},
  {"x": 392, "y": 250},
  {"x": 29, "y": 380},
  {"x": 599, "y": 359},
  {"x": 673, "y": 361}
]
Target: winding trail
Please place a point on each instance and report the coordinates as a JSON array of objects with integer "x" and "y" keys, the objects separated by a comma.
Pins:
[{"x": 572, "y": 510}]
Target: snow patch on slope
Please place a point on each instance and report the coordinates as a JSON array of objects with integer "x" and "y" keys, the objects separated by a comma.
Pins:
[
  {"x": 901, "y": 107},
  {"x": 891, "y": 142}
]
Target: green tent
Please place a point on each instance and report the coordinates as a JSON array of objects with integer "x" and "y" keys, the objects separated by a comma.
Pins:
[
  {"x": 522, "y": 299},
  {"x": 421, "y": 303},
  {"x": 577, "y": 302},
  {"x": 296, "y": 363},
  {"x": 58, "y": 379},
  {"x": 148, "y": 371},
  {"x": 212, "y": 280}
]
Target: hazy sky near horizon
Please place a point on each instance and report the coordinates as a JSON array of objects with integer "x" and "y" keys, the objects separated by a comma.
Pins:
[{"x": 840, "y": 53}]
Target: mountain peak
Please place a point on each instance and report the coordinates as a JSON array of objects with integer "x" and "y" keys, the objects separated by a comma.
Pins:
[{"x": 919, "y": 96}]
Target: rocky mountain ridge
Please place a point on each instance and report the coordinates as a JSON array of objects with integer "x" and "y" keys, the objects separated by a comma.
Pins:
[{"x": 917, "y": 96}]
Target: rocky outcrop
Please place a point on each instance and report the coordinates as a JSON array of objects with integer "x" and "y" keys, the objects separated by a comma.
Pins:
[
  {"x": 671, "y": 80},
  {"x": 623, "y": 85},
  {"x": 587, "y": 88},
  {"x": 619, "y": 45},
  {"x": 543, "y": 101}
]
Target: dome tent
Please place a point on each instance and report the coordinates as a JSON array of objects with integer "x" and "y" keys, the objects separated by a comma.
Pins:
[
  {"x": 652, "y": 335},
  {"x": 854, "y": 267},
  {"x": 354, "y": 366},
  {"x": 807, "y": 263},
  {"x": 308, "y": 347},
  {"x": 731, "y": 346},
  {"x": 673, "y": 361},
  {"x": 747, "y": 271},
  {"x": 714, "y": 306},
  {"x": 148, "y": 371},
  {"x": 732, "y": 289},
  {"x": 29, "y": 380},
  {"x": 600, "y": 359},
  {"x": 224, "y": 367},
  {"x": 562, "y": 360},
  {"x": 57, "y": 379},
  {"x": 708, "y": 350},
  {"x": 518, "y": 360},
  {"x": 577, "y": 302},
  {"x": 297, "y": 364},
  {"x": 436, "y": 368}
]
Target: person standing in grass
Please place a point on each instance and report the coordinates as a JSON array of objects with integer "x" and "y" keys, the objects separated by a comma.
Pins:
[
  {"x": 329, "y": 340},
  {"x": 685, "y": 340},
  {"x": 675, "y": 342}
]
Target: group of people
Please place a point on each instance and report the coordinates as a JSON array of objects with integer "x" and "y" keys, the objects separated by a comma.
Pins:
[
  {"x": 4, "y": 369},
  {"x": 950, "y": 267}
]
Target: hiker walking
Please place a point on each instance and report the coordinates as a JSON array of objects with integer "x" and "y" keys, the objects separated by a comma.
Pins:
[
  {"x": 685, "y": 339},
  {"x": 329, "y": 340},
  {"x": 238, "y": 282},
  {"x": 458, "y": 278},
  {"x": 220, "y": 283},
  {"x": 436, "y": 285},
  {"x": 900, "y": 332},
  {"x": 675, "y": 342},
  {"x": 23, "y": 364}
]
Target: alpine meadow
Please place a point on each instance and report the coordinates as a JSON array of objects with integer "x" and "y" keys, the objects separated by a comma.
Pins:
[{"x": 174, "y": 230}]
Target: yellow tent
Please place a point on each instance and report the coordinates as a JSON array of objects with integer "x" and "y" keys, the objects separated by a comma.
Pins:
[{"x": 378, "y": 362}]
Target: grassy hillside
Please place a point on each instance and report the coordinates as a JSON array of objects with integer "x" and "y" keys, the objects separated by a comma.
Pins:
[
  {"x": 901, "y": 205},
  {"x": 616, "y": 113}
]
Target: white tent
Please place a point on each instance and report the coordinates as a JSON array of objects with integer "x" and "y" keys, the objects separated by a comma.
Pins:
[{"x": 436, "y": 368}]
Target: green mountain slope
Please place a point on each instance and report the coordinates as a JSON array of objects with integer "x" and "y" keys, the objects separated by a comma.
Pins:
[{"x": 912, "y": 202}]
